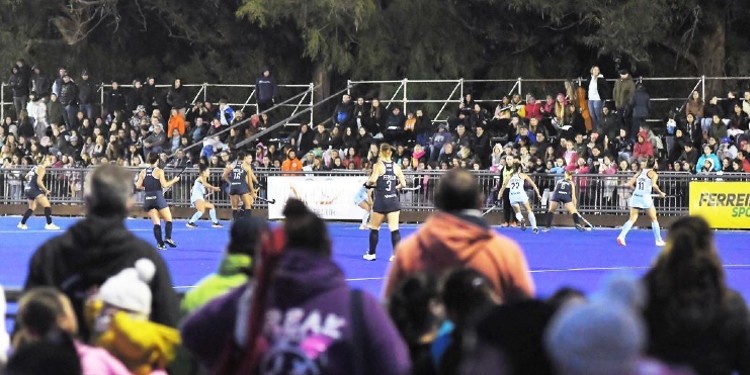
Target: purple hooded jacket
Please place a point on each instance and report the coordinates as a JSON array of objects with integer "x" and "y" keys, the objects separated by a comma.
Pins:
[{"x": 307, "y": 324}]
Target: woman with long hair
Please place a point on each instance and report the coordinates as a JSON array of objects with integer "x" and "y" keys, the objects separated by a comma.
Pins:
[
  {"x": 692, "y": 316},
  {"x": 565, "y": 195},
  {"x": 642, "y": 184},
  {"x": 36, "y": 193},
  {"x": 153, "y": 181},
  {"x": 386, "y": 180},
  {"x": 241, "y": 181},
  {"x": 198, "y": 199},
  {"x": 517, "y": 195}
]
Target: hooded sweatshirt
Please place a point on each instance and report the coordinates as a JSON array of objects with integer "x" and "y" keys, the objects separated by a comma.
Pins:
[
  {"x": 308, "y": 312},
  {"x": 643, "y": 147},
  {"x": 90, "y": 252},
  {"x": 309, "y": 305},
  {"x": 448, "y": 241}
]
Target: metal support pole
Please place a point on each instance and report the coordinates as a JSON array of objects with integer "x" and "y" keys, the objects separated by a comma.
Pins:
[
  {"x": 312, "y": 99},
  {"x": 406, "y": 82}
]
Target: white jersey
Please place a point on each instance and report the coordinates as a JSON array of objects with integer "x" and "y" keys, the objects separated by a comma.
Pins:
[
  {"x": 641, "y": 197},
  {"x": 361, "y": 196},
  {"x": 198, "y": 191},
  {"x": 517, "y": 193}
]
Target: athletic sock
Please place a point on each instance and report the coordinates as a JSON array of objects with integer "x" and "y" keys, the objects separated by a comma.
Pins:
[
  {"x": 197, "y": 215},
  {"x": 577, "y": 218},
  {"x": 395, "y": 238},
  {"x": 48, "y": 214},
  {"x": 212, "y": 214},
  {"x": 373, "y": 241},
  {"x": 235, "y": 214},
  {"x": 157, "y": 234},
  {"x": 168, "y": 230},
  {"x": 657, "y": 231},
  {"x": 27, "y": 215},
  {"x": 519, "y": 217},
  {"x": 365, "y": 218},
  {"x": 532, "y": 219},
  {"x": 550, "y": 216},
  {"x": 625, "y": 229}
]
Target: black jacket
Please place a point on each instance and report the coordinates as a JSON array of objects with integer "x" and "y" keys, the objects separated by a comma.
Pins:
[
  {"x": 90, "y": 252},
  {"x": 41, "y": 83},
  {"x": 68, "y": 93},
  {"x": 86, "y": 92},
  {"x": 115, "y": 101}
]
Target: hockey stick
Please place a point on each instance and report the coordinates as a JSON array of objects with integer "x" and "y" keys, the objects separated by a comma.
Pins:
[
  {"x": 588, "y": 224},
  {"x": 489, "y": 209},
  {"x": 658, "y": 196},
  {"x": 188, "y": 164},
  {"x": 414, "y": 188},
  {"x": 269, "y": 201}
]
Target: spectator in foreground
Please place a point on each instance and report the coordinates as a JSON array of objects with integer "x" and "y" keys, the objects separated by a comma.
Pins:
[
  {"x": 693, "y": 318},
  {"x": 244, "y": 239},
  {"x": 456, "y": 236},
  {"x": 46, "y": 314},
  {"x": 309, "y": 288},
  {"x": 100, "y": 246},
  {"x": 121, "y": 309},
  {"x": 603, "y": 336}
]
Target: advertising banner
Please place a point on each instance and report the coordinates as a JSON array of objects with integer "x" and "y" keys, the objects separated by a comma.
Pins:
[
  {"x": 725, "y": 205},
  {"x": 332, "y": 198}
]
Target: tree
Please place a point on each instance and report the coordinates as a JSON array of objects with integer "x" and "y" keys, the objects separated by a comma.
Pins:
[{"x": 328, "y": 29}]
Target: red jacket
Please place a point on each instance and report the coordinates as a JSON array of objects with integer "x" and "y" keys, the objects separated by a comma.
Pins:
[{"x": 643, "y": 149}]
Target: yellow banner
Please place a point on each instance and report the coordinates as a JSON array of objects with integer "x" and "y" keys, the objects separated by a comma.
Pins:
[{"x": 724, "y": 205}]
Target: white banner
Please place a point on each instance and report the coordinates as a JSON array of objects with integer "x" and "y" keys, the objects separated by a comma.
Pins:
[{"x": 329, "y": 197}]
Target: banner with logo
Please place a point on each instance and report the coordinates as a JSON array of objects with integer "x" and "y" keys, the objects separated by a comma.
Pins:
[
  {"x": 331, "y": 198},
  {"x": 724, "y": 205}
]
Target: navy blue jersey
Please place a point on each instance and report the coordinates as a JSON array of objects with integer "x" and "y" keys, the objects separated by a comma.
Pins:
[
  {"x": 385, "y": 197},
  {"x": 31, "y": 177},
  {"x": 563, "y": 191},
  {"x": 154, "y": 197},
  {"x": 32, "y": 189},
  {"x": 238, "y": 180},
  {"x": 151, "y": 183}
]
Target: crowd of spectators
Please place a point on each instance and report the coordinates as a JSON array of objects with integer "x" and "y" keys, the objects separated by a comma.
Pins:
[{"x": 60, "y": 116}]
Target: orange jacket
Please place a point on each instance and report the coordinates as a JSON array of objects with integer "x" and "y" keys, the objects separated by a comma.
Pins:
[
  {"x": 446, "y": 242},
  {"x": 291, "y": 165},
  {"x": 176, "y": 122}
]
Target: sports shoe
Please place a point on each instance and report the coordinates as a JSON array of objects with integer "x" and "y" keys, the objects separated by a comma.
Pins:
[
  {"x": 51, "y": 226},
  {"x": 523, "y": 224},
  {"x": 580, "y": 227},
  {"x": 369, "y": 257},
  {"x": 621, "y": 241},
  {"x": 535, "y": 230},
  {"x": 161, "y": 246},
  {"x": 170, "y": 242},
  {"x": 545, "y": 230},
  {"x": 363, "y": 227},
  {"x": 216, "y": 225},
  {"x": 22, "y": 226},
  {"x": 660, "y": 243},
  {"x": 191, "y": 225}
]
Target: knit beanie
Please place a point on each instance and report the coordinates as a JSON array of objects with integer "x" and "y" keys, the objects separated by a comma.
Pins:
[
  {"x": 129, "y": 289},
  {"x": 602, "y": 336}
]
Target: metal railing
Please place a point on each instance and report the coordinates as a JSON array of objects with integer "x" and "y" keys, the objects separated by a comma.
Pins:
[
  {"x": 597, "y": 193},
  {"x": 667, "y": 93},
  {"x": 240, "y": 96}
]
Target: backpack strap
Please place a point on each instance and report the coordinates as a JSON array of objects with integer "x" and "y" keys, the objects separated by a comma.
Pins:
[{"x": 359, "y": 332}]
